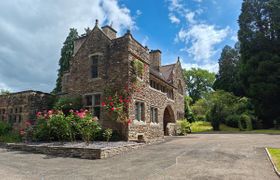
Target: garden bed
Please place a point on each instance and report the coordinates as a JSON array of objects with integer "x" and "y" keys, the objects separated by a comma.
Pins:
[{"x": 95, "y": 150}]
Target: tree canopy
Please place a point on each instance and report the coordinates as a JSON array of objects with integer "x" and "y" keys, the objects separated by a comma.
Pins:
[
  {"x": 259, "y": 37},
  {"x": 66, "y": 55},
  {"x": 198, "y": 82}
]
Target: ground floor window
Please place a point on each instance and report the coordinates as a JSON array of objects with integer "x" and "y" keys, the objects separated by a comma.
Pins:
[
  {"x": 139, "y": 111},
  {"x": 154, "y": 115},
  {"x": 93, "y": 103}
]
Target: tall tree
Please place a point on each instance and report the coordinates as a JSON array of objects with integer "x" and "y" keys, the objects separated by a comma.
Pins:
[
  {"x": 66, "y": 54},
  {"x": 198, "y": 82},
  {"x": 227, "y": 77},
  {"x": 259, "y": 37}
]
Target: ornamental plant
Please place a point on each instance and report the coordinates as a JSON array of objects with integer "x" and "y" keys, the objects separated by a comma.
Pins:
[{"x": 107, "y": 134}]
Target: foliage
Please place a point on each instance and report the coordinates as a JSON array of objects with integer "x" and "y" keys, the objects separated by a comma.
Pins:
[
  {"x": 88, "y": 127},
  {"x": 198, "y": 82},
  {"x": 66, "y": 55},
  {"x": 215, "y": 116},
  {"x": 11, "y": 137},
  {"x": 188, "y": 111},
  {"x": 184, "y": 127},
  {"x": 227, "y": 78},
  {"x": 107, "y": 134},
  {"x": 4, "y": 92},
  {"x": 232, "y": 120},
  {"x": 65, "y": 104},
  {"x": 259, "y": 37},
  {"x": 116, "y": 102},
  {"x": 200, "y": 109},
  {"x": 54, "y": 125},
  {"x": 245, "y": 123},
  {"x": 5, "y": 128},
  {"x": 138, "y": 67}
]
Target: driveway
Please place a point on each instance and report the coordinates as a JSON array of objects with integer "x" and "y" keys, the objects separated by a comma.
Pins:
[{"x": 197, "y": 156}]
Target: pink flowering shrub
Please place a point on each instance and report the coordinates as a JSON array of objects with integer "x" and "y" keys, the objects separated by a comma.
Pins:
[{"x": 56, "y": 126}]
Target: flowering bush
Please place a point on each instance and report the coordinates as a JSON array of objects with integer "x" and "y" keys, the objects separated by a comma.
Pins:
[
  {"x": 55, "y": 125},
  {"x": 117, "y": 103}
]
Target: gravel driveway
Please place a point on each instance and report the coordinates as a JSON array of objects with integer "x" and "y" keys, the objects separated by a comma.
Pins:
[{"x": 197, "y": 156}]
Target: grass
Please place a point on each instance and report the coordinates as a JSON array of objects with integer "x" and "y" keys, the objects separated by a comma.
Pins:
[
  {"x": 202, "y": 126},
  {"x": 275, "y": 155}
]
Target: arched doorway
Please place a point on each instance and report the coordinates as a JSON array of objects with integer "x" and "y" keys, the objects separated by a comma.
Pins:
[{"x": 168, "y": 117}]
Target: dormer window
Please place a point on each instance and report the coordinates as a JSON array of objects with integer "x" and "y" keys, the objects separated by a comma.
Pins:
[{"x": 94, "y": 66}]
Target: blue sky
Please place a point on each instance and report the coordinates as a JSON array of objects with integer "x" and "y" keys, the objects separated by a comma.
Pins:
[{"x": 33, "y": 32}]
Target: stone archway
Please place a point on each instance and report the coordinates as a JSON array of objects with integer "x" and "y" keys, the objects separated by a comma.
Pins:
[{"x": 168, "y": 117}]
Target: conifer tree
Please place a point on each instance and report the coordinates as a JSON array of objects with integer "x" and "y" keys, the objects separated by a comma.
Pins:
[
  {"x": 66, "y": 55},
  {"x": 259, "y": 37}
]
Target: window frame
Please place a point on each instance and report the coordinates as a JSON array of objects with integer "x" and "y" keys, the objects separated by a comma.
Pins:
[
  {"x": 139, "y": 112},
  {"x": 154, "y": 115},
  {"x": 93, "y": 103}
]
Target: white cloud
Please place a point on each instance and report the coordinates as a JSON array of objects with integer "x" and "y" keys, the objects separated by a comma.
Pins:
[
  {"x": 199, "y": 1},
  {"x": 200, "y": 40},
  {"x": 4, "y": 86},
  {"x": 212, "y": 67},
  {"x": 138, "y": 12},
  {"x": 33, "y": 32},
  {"x": 190, "y": 17},
  {"x": 174, "y": 19}
]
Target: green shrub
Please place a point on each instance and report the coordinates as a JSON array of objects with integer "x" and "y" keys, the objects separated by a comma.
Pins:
[
  {"x": 89, "y": 128},
  {"x": 107, "y": 134},
  {"x": 215, "y": 116},
  {"x": 59, "y": 127},
  {"x": 245, "y": 123},
  {"x": 232, "y": 120},
  {"x": 5, "y": 128},
  {"x": 184, "y": 127},
  {"x": 11, "y": 137},
  {"x": 116, "y": 136},
  {"x": 66, "y": 104}
]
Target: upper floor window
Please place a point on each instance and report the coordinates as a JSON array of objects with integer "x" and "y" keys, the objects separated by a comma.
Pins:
[
  {"x": 93, "y": 103},
  {"x": 139, "y": 111},
  {"x": 154, "y": 115},
  {"x": 94, "y": 66}
]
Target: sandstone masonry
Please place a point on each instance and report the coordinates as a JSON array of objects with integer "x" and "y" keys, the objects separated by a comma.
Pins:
[{"x": 102, "y": 60}]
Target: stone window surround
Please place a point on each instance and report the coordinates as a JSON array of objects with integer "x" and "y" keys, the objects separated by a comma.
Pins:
[
  {"x": 89, "y": 57},
  {"x": 156, "y": 114},
  {"x": 144, "y": 114}
]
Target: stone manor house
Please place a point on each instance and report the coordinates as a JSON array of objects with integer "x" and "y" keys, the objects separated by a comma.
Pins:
[{"x": 102, "y": 60}]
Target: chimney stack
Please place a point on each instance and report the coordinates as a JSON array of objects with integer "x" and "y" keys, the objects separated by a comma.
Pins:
[
  {"x": 155, "y": 59},
  {"x": 110, "y": 32}
]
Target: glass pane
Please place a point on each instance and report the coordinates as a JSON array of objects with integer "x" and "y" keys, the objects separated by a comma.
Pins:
[
  {"x": 97, "y": 100},
  {"x": 94, "y": 60},
  {"x": 94, "y": 71},
  {"x": 89, "y": 100}
]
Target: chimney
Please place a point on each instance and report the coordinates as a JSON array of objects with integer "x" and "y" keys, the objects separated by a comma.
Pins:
[
  {"x": 110, "y": 32},
  {"x": 155, "y": 59}
]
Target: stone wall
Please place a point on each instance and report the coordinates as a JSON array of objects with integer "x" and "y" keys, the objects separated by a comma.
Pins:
[
  {"x": 16, "y": 108},
  {"x": 84, "y": 153},
  {"x": 115, "y": 70}
]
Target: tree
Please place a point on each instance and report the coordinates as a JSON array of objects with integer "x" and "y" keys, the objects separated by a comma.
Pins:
[
  {"x": 227, "y": 78},
  {"x": 4, "y": 92},
  {"x": 198, "y": 82},
  {"x": 188, "y": 112},
  {"x": 66, "y": 55},
  {"x": 259, "y": 37}
]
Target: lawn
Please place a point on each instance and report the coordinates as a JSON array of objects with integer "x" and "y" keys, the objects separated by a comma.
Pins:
[
  {"x": 202, "y": 126},
  {"x": 275, "y": 155}
]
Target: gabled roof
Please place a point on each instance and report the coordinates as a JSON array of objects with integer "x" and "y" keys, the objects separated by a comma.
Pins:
[{"x": 167, "y": 72}]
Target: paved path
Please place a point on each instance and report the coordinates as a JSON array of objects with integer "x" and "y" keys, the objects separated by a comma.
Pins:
[{"x": 198, "y": 156}]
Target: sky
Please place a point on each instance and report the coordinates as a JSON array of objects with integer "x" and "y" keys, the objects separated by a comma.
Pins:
[{"x": 32, "y": 33}]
